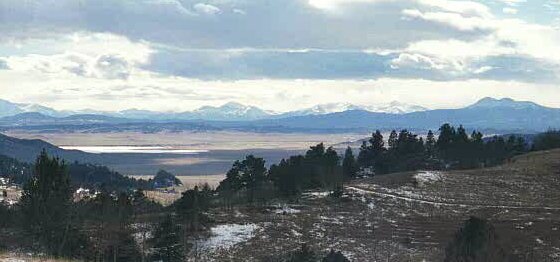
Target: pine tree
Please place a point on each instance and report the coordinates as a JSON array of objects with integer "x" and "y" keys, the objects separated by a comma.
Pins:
[
  {"x": 166, "y": 242},
  {"x": 445, "y": 140},
  {"x": 431, "y": 144},
  {"x": 392, "y": 142},
  {"x": 304, "y": 254},
  {"x": 349, "y": 164},
  {"x": 46, "y": 204},
  {"x": 364, "y": 156},
  {"x": 249, "y": 174},
  {"x": 377, "y": 143},
  {"x": 476, "y": 241},
  {"x": 335, "y": 257}
]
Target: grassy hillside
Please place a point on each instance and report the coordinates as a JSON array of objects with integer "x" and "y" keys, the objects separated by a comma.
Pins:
[{"x": 413, "y": 216}]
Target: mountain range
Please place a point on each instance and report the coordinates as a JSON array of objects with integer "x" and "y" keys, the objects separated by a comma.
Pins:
[
  {"x": 231, "y": 111},
  {"x": 494, "y": 115}
]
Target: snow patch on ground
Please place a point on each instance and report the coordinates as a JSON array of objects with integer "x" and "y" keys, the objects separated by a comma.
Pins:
[
  {"x": 428, "y": 177},
  {"x": 226, "y": 236},
  {"x": 317, "y": 194},
  {"x": 286, "y": 210}
]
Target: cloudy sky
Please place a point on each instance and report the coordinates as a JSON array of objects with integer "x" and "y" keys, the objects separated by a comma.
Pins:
[{"x": 277, "y": 54}]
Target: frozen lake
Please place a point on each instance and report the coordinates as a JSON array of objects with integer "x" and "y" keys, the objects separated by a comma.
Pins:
[{"x": 134, "y": 150}]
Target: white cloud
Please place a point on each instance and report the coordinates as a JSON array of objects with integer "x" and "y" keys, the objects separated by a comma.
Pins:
[
  {"x": 332, "y": 4},
  {"x": 509, "y": 10},
  {"x": 88, "y": 55},
  {"x": 47, "y": 59},
  {"x": 453, "y": 56},
  {"x": 501, "y": 37},
  {"x": 454, "y": 20},
  {"x": 466, "y": 8},
  {"x": 239, "y": 11},
  {"x": 512, "y": 2},
  {"x": 206, "y": 9}
]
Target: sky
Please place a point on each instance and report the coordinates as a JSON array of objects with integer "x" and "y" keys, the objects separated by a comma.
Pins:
[{"x": 280, "y": 55}]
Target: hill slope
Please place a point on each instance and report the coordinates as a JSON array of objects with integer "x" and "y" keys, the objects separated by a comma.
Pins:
[
  {"x": 413, "y": 216},
  {"x": 27, "y": 150}
]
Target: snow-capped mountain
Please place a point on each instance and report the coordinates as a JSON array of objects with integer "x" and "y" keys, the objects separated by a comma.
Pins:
[
  {"x": 34, "y": 108},
  {"x": 394, "y": 107},
  {"x": 323, "y": 109},
  {"x": 8, "y": 108},
  {"x": 227, "y": 112},
  {"x": 231, "y": 111},
  {"x": 487, "y": 113}
]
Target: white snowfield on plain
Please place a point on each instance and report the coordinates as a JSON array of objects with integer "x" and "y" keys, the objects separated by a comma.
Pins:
[
  {"x": 133, "y": 150},
  {"x": 286, "y": 210},
  {"x": 227, "y": 236},
  {"x": 317, "y": 194},
  {"x": 427, "y": 177}
]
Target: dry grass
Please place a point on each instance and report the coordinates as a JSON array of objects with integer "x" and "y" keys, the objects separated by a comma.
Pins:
[
  {"x": 396, "y": 219},
  {"x": 211, "y": 140}
]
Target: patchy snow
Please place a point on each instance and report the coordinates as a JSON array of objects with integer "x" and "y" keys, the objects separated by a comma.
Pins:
[
  {"x": 286, "y": 210},
  {"x": 428, "y": 177},
  {"x": 82, "y": 190},
  {"x": 318, "y": 194},
  {"x": 227, "y": 236}
]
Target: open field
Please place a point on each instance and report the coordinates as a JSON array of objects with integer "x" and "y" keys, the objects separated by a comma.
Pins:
[
  {"x": 412, "y": 216},
  {"x": 169, "y": 195},
  {"x": 211, "y": 140}
]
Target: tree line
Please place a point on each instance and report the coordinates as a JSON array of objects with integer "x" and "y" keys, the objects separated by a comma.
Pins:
[{"x": 322, "y": 167}]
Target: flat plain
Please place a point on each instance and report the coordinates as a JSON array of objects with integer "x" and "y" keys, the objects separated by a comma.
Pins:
[{"x": 219, "y": 148}]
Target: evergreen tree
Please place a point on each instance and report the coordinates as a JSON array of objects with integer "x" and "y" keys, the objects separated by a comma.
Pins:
[
  {"x": 431, "y": 144},
  {"x": 249, "y": 174},
  {"x": 190, "y": 208},
  {"x": 364, "y": 155},
  {"x": 166, "y": 242},
  {"x": 304, "y": 254},
  {"x": 377, "y": 143},
  {"x": 445, "y": 140},
  {"x": 547, "y": 140},
  {"x": 46, "y": 204},
  {"x": 333, "y": 173},
  {"x": 289, "y": 175},
  {"x": 475, "y": 242},
  {"x": 335, "y": 257},
  {"x": 112, "y": 220},
  {"x": 349, "y": 164},
  {"x": 372, "y": 154},
  {"x": 392, "y": 142}
]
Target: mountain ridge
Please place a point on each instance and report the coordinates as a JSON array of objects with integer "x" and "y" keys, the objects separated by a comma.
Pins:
[
  {"x": 230, "y": 111},
  {"x": 488, "y": 114}
]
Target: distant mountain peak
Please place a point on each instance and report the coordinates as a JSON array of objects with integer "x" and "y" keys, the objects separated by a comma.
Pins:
[
  {"x": 232, "y": 104},
  {"x": 489, "y": 102}
]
